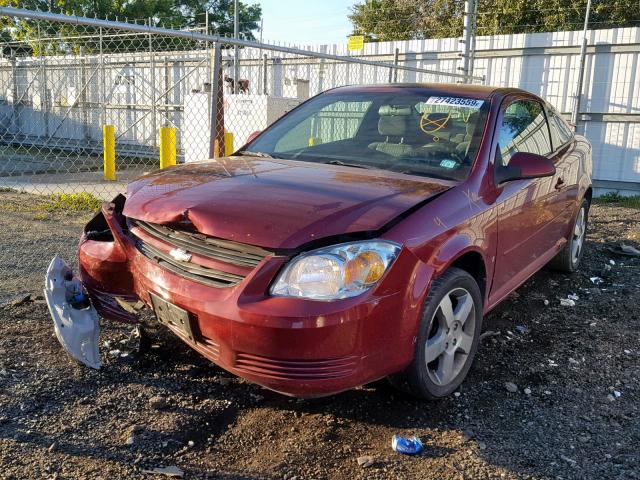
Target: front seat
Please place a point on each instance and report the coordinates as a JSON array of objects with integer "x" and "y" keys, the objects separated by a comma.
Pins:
[
  {"x": 463, "y": 146},
  {"x": 393, "y": 124}
]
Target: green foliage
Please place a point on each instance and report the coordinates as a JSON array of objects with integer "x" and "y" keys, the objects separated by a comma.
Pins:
[
  {"x": 617, "y": 199},
  {"x": 175, "y": 14},
  {"x": 74, "y": 202},
  {"x": 385, "y": 20}
]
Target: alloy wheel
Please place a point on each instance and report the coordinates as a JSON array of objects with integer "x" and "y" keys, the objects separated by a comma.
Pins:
[
  {"x": 450, "y": 337},
  {"x": 578, "y": 235}
]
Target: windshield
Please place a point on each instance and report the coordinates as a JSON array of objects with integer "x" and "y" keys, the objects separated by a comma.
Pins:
[{"x": 433, "y": 135}]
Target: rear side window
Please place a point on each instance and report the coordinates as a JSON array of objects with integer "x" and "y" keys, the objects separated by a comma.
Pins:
[
  {"x": 524, "y": 128},
  {"x": 560, "y": 132}
]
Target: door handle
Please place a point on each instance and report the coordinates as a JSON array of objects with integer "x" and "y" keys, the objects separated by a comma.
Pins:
[{"x": 559, "y": 184}]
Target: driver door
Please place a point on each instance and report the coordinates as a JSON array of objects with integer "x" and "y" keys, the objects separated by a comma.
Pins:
[{"x": 525, "y": 218}]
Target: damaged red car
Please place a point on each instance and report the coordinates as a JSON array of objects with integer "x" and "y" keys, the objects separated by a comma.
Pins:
[{"x": 363, "y": 235}]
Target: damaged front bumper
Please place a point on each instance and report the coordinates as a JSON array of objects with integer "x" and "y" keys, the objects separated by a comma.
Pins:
[{"x": 75, "y": 320}]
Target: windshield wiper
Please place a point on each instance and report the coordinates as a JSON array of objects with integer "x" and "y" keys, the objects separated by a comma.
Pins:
[
  {"x": 249, "y": 153},
  {"x": 354, "y": 165}
]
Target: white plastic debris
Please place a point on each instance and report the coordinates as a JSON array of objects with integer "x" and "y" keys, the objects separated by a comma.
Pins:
[
  {"x": 567, "y": 302},
  {"x": 612, "y": 262},
  {"x": 617, "y": 394},
  {"x": 596, "y": 280},
  {"x": 573, "y": 297},
  {"x": 75, "y": 321},
  {"x": 171, "y": 471}
]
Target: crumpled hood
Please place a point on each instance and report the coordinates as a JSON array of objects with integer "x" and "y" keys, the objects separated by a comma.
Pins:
[{"x": 275, "y": 203}]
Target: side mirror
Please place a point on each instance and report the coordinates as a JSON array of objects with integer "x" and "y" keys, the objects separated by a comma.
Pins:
[
  {"x": 253, "y": 136},
  {"x": 524, "y": 165}
]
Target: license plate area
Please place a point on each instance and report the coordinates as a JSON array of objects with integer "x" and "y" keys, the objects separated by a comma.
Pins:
[{"x": 172, "y": 316}]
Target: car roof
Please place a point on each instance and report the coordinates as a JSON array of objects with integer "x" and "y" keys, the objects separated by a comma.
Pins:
[{"x": 467, "y": 90}]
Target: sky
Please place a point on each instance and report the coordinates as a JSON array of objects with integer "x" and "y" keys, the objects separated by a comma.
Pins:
[{"x": 305, "y": 21}]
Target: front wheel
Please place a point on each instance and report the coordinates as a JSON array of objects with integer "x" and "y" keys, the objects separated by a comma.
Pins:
[
  {"x": 568, "y": 259},
  {"x": 447, "y": 337}
]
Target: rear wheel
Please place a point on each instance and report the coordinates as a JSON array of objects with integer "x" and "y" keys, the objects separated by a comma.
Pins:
[
  {"x": 569, "y": 258},
  {"x": 447, "y": 338}
]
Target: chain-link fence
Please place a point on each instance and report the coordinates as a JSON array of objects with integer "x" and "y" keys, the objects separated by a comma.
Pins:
[
  {"x": 87, "y": 105},
  {"x": 62, "y": 83}
]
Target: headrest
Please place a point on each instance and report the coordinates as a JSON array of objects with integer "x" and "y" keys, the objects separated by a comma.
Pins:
[
  {"x": 394, "y": 110},
  {"x": 394, "y": 120}
]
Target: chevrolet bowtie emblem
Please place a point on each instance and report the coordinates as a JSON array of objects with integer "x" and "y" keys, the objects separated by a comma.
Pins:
[{"x": 180, "y": 255}]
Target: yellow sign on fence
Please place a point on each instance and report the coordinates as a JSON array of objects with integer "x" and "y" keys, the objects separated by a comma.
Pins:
[{"x": 355, "y": 43}]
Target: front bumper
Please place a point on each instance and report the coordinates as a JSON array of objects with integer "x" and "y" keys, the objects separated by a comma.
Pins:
[{"x": 294, "y": 346}]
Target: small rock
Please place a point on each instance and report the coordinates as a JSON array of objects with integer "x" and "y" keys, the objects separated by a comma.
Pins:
[
  {"x": 130, "y": 440},
  {"x": 158, "y": 403},
  {"x": 546, "y": 302},
  {"x": 456, "y": 394},
  {"x": 20, "y": 300},
  {"x": 617, "y": 394},
  {"x": 511, "y": 387},
  {"x": 574, "y": 361},
  {"x": 567, "y": 302},
  {"x": 366, "y": 461},
  {"x": 191, "y": 443},
  {"x": 482, "y": 445},
  {"x": 612, "y": 262},
  {"x": 584, "y": 438},
  {"x": 611, "y": 398},
  {"x": 527, "y": 391}
]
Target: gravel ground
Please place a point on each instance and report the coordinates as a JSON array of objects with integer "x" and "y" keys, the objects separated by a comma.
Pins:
[{"x": 575, "y": 414}]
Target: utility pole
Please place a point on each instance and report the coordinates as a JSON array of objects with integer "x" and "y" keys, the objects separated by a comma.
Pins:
[
  {"x": 236, "y": 35},
  {"x": 467, "y": 38},
  {"x": 583, "y": 56}
]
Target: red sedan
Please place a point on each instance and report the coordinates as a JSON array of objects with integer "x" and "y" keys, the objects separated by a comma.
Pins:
[{"x": 363, "y": 235}]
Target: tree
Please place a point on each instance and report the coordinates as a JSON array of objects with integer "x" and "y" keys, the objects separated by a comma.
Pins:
[
  {"x": 406, "y": 19},
  {"x": 165, "y": 13}
]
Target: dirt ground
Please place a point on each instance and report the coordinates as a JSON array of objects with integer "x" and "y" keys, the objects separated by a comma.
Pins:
[{"x": 576, "y": 413}]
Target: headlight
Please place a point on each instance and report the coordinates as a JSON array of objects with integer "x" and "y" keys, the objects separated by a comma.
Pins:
[{"x": 340, "y": 271}]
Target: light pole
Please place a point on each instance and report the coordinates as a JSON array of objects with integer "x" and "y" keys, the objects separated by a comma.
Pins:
[{"x": 583, "y": 56}]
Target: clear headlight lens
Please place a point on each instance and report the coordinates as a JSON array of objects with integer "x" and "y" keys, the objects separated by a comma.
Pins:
[{"x": 340, "y": 271}]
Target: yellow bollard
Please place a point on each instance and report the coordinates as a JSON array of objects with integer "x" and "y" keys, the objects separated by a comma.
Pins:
[
  {"x": 167, "y": 147},
  {"x": 109, "y": 151},
  {"x": 228, "y": 143}
]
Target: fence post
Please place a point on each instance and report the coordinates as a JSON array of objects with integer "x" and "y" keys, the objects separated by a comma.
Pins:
[
  {"x": 396, "y": 61},
  {"x": 216, "y": 132},
  {"x": 82, "y": 101},
  {"x": 167, "y": 147},
  {"x": 103, "y": 79},
  {"x": 265, "y": 75},
  {"x": 109, "y": 152},
  {"x": 152, "y": 83}
]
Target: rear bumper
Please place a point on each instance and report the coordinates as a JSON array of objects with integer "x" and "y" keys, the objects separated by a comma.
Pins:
[{"x": 293, "y": 346}]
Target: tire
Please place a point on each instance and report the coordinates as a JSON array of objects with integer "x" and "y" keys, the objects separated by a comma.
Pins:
[
  {"x": 569, "y": 258},
  {"x": 453, "y": 337}
]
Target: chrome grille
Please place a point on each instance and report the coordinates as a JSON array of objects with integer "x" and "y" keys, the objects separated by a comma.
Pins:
[
  {"x": 199, "y": 273},
  {"x": 222, "y": 250}
]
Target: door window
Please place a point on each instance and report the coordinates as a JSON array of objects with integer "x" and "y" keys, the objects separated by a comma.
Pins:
[
  {"x": 560, "y": 132},
  {"x": 524, "y": 128}
]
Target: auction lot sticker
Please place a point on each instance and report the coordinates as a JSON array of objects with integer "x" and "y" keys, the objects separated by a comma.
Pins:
[{"x": 455, "y": 102}]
